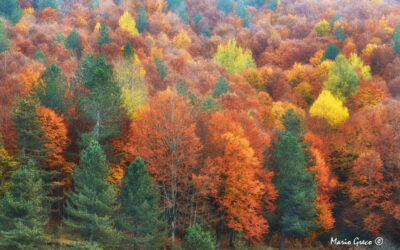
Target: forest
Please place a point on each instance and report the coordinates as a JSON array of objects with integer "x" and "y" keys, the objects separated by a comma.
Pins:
[{"x": 199, "y": 124}]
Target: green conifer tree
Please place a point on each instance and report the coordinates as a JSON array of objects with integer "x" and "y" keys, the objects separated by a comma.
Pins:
[
  {"x": 272, "y": 5},
  {"x": 331, "y": 52},
  {"x": 141, "y": 20},
  {"x": 182, "y": 88},
  {"x": 225, "y": 6},
  {"x": 10, "y": 10},
  {"x": 92, "y": 205},
  {"x": 197, "y": 239},
  {"x": 102, "y": 106},
  {"x": 104, "y": 37},
  {"x": 221, "y": 87},
  {"x": 139, "y": 200},
  {"x": 340, "y": 34},
  {"x": 296, "y": 185},
  {"x": 24, "y": 212},
  {"x": 209, "y": 104},
  {"x": 207, "y": 32},
  {"x": 396, "y": 40},
  {"x": 128, "y": 50},
  {"x": 43, "y": 4},
  {"x": 4, "y": 42},
  {"x": 39, "y": 56},
  {"x": 30, "y": 135},
  {"x": 197, "y": 19},
  {"x": 52, "y": 89},
  {"x": 161, "y": 68},
  {"x": 73, "y": 42}
]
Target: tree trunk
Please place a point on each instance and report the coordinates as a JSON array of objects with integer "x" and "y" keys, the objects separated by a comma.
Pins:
[
  {"x": 231, "y": 237},
  {"x": 282, "y": 246},
  {"x": 220, "y": 227}
]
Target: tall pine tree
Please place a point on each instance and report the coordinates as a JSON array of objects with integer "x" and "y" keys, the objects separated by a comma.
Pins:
[
  {"x": 91, "y": 207},
  {"x": 296, "y": 185},
  {"x": 141, "y": 21},
  {"x": 4, "y": 42},
  {"x": 102, "y": 106},
  {"x": 52, "y": 89},
  {"x": 140, "y": 206},
  {"x": 104, "y": 37},
  {"x": 396, "y": 40},
  {"x": 24, "y": 212},
  {"x": 31, "y": 141},
  {"x": 74, "y": 42},
  {"x": 10, "y": 10}
]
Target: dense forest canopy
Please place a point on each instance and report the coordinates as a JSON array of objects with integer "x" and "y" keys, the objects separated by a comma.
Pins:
[{"x": 199, "y": 124}]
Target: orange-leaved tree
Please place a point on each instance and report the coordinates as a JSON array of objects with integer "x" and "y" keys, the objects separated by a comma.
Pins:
[{"x": 164, "y": 136}]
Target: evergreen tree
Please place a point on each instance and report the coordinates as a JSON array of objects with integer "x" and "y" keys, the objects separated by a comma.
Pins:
[
  {"x": 94, "y": 3},
  {"x": 175, "y": 4},
  {"x": 102, "y": 106},
  {"x": 182, "y": 88},
  {"x": 225, "y": 6},
  {"x": 10, "y": 10},
  {"x": 273, "y": 4},
  {"x": 197, "y": 19},
  {"x": 24, "y": 212},
  {"x": 73, "y": 42},
  {"x": 7, "y": 168},
  {"x": 39, "y": 56},
  {"x": 182, "y": 13},
  {"x": 91, "y": 207},
  {"x": 221, "y": 87},
  {"x": 128, "y": 50},
  {"x": 104, "y": 37},
  {"x": 30, "y": 140},
  {"x": 52, "y": 89},
  {"x": 207, "y": 33},
  {"x": 296, "y": 185},
  {"x": 160, "y": 67},
  {"x": 335, "y": 18},
  {"x": 242, "y": 13},
  {"x": 331, "y": 52},
  {"x": 4, "y": 42},
  {"x": 197, "y": 239},
  {"x": 141, "y": 21},
  {"x": 210, "y": 104},
  {"x": 396, "y": 40},
  {"x": 43, "y": 4},
  {"x": 340, "y": 34},
  {"x": 140, "y": 199}
]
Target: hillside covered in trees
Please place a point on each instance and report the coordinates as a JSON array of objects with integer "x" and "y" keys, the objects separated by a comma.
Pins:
[{"x": 199, "y": 124}]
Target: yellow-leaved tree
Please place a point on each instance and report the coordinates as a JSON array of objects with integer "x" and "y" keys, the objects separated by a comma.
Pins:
[
  {"x": 126, "y": 22},
  {"x": 363, "y": 71},
  {"x": 182, "y": 40},
  {"x": 323, "y": 28},
  {"x": 234, "y": 58},
  {"x": 97, "y": 27},
  {"x": 129, "y": 73},
  {"x": 330, "y": 108},
  {"x": 7, "y": 168}
]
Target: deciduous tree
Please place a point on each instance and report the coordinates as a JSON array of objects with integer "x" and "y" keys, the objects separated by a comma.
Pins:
[
  {"x": 234, "y": 58},
  {"x": 329, "y": 108},
  {"x": 164, "y": 136}
]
